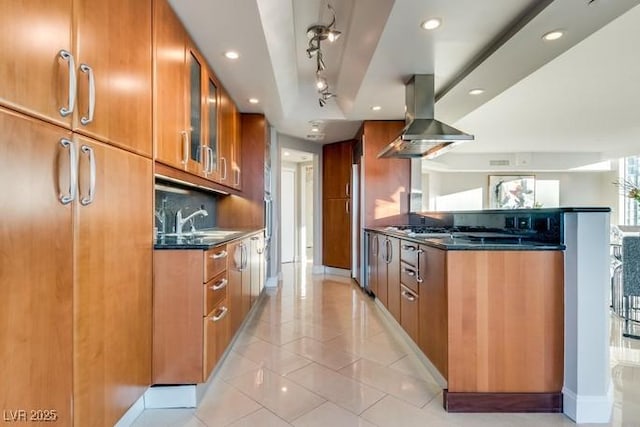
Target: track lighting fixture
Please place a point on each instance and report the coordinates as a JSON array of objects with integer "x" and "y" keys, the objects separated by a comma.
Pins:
[{"x": 317, "y": 33}]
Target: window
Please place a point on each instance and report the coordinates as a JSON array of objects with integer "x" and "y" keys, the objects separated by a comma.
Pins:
[{"x": 630, "y": 172}]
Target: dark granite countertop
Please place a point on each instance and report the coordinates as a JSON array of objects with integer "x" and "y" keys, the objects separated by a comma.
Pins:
[
  {"x": 455, "y": 244},
  {"x": 203, "y": 239}
]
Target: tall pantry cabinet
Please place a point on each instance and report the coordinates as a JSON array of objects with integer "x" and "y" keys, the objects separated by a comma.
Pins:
[
  {"x": 336, "y": 204},
  {"x": 76, "y": 233}
]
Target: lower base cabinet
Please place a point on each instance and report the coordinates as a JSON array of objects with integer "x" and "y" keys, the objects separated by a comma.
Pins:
[{"x": 200, "y": 300}]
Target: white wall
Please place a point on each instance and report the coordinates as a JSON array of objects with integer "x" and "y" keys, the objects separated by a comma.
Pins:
[
  {"x": 576, "y": 188},
  {"x": 288, "y": 212}
]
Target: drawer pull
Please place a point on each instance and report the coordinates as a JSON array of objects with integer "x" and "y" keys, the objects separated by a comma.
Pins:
[
  {"x": 409, "y": 272},
  {"x": 223, "y": 312},
  {"x": 219, "y": 255},
  {"x": 408, "y": 296},
  {"x": 220, "y": 285},
  {"x": 409, "y": 248}
]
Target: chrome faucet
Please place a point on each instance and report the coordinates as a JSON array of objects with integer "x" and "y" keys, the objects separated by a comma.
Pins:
[{"x": 180, "y": 222}]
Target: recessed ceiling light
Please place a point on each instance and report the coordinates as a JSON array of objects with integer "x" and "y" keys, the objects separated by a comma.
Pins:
[
  {"x": 476, "y": 91},
  {"x": 315, "y": 129},
  {"x": 253, "y": 100},
  {"x": 286, "y": 153},
  {"x": 232, "y": 54},
  {"x": 553, "y": 35},
  {"x": 431, "y": 24},
  {"x": 376, "y": 108}
]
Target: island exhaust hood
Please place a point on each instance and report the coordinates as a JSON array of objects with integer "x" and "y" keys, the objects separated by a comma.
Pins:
[{"x": 422, "y": 136}]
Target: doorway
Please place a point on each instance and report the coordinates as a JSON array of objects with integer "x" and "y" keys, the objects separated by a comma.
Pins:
[{"x": 297, "y": 206}]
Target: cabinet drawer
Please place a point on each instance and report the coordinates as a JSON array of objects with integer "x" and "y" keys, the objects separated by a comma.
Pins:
[
  {"x": 215, "y": 290},
  {"x": 409, "y": 277},
  {"x": 409, "y": 252},
  {"x": 409, "y": 312},
  {"x": 216, "y": 337},
  {"x": 215, "y": 262}
]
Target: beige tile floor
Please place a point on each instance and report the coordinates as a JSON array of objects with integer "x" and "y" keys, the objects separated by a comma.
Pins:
[{"x": 318, "y": 353}]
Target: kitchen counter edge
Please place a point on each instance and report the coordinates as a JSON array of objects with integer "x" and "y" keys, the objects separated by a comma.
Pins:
[{"x": 198, "y": 243}]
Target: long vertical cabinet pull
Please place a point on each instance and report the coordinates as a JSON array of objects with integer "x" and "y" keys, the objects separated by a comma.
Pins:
[
  {"x": 185, "y": 147},
  {"x": 374, "y": 238},
  {"x": 210, "y": 151},
  {"x": 346, "y": 206},
  {"x": 92, "y": 94},
  {"x": 84, "y": 201},
  {"x": 71, "y": 103},
  {"x": 389, "y": 251},
  {"x": 346, "y": 189},
  {"x": 246, "y": 257},
  {"x": 224, "y": 173},
  {"x": 419, "y": 278},
  {"x": 236, "y": 174},
  {"x": 65, "y": 199}
]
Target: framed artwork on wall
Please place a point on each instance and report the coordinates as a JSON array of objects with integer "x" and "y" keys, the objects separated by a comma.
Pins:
[{"x": 511, "y": 191}]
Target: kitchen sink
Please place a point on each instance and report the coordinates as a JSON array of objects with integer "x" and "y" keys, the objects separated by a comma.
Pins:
[{"x": 210, "y": 234}]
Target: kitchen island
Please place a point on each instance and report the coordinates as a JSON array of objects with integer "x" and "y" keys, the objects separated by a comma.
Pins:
[{"x": 494, "y": 314}]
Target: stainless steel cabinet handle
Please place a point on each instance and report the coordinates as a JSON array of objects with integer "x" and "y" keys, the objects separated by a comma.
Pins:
[
  {"x": 409, "y": 248},
  {"x": 246, "y": 256},
  {"x": 210, "y": 151},
  {"x": 185, "y": 146},
  {"x": 409, "y": 272},
  {"x": 220, "y": 285},
  {"x": 420, "y": 251},
  {"x": 389, "y": 251},
  {"x": 92, "y": 94},
  {"x": 71, "y": 103},
  {"x": 347, "y": 189},
  {"x": 92, "y": 175},
  {"x": 243, "y": 264},
  {"x": 222, "y": 254},
  {"x": 408, "y": 296},
  {"x": 255, "y": 238},
  {"x": 73, "y": 173},
  {"x": 223, "y": 312},
  {"x": 346, "y": 206},
  {"x": 224, "y": 169},
  {"x": 204, "y": 153},
  {"x": 236, "y": 174}
]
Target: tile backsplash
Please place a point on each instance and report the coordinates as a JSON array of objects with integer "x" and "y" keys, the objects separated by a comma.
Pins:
[{"x": 171, "y": 197}]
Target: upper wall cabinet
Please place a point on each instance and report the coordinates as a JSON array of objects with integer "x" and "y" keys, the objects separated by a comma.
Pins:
[
  {"x": 96, "y": 87},
  {"x": 230, "y": 165},
  {"x": 336, "y": 169},
  {"x": 114, "y": 72},
  {"x": 36, "y": 56}
]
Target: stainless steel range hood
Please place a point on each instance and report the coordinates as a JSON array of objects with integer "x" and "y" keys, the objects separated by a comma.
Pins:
[{"x": 423, "y": 136}]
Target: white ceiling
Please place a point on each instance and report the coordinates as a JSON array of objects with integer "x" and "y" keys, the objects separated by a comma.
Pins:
[{"x": 584, "y": 99}]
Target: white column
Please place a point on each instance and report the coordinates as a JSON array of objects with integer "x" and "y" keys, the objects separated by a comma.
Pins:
[{"x": 588, "y": 387}]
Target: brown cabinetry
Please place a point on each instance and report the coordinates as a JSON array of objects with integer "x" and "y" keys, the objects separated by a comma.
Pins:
[
  {"x": 36, "y": 243},
  {"x": 230, "y": 164},
  {"x": 336, "y": 207},
  {"x": 84, "y": 313},
  {"x": 190, "y": 310},
  {"x": 95, "y": 87},
  {"x": 409, "y": 312},
  {"x": 433, "y": 318}
]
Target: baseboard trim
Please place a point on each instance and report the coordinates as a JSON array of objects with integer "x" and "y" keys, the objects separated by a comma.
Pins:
[
  {"x": 317, "y": 269},
  {"x": 337, "y": 271},
  {"x": 588, "y": 409},
  {"x": 132, "y": 413},
  {"x": 502, "y": 402},
  {"x": 172, "y": 396},
  {"x": 272, "y": 282}
]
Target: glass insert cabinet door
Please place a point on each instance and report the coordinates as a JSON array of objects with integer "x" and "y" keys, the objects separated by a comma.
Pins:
[
  {"x": 195, "y": 93},
  {"x": 212, "y": 140}
]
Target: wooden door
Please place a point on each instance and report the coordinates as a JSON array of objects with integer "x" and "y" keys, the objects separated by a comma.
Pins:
[
  {"x": 170, "y": 87},
  {"x": 227, "y": 135},
  {"x": 234, "y": 288},
  {"x": 35, "y": 77},
  {"x": 393, "y": 278},
  {"x": 336, "y": 170},
  {"x": 36, "y": 261},
  {"x": 114, "y": 39},
  {"x": 336, "y": 233},
  {"x": 216, "y": 337},
  {"x": 409, "y": 312},
  {"x": 112, "y": 310},
  {"x": 432, "y": 319}
]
